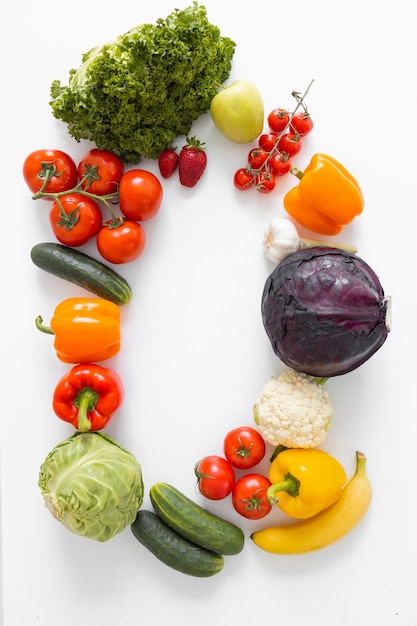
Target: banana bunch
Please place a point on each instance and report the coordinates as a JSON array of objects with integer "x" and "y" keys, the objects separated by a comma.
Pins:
[{"x": 326, "y": 527}]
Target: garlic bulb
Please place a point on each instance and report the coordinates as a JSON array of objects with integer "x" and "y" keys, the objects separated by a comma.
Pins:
[{"x": 281, "y": 239}]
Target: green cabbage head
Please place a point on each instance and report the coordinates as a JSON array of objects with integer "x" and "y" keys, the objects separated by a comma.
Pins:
[{"x": 92, "y": 485}]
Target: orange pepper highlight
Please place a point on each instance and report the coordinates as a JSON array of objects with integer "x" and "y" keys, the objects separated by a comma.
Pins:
[
  {"x": 327, "y": 197},
  {"x": 85, "y": 329}
]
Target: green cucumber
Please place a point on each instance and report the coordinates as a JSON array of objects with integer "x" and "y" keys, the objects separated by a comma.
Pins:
[
  {"x": 194, "y": 522},
  {"x": 173, "y": 549},
  {"x": 82, "y": 270}
]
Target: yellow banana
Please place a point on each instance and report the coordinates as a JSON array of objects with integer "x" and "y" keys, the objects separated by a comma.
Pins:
[{"x": 326, "y": 527}]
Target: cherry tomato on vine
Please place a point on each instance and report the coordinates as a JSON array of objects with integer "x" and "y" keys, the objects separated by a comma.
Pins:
[
  {"x": 215, "y": 477},
  {"x": 249, "y": 496},
  {"x": 278, "y": 120},
  {"x": 54, "y": 166},
  {"x": 243, "y": 179},
  {"x": 256, "y": 158},
  {"x": 267, "y": 141},
  {"x": 140, "y": 195},
  {"x": 302, "y": 123},
  {"x": 290, "y": 143},
  {"x": 122, "y": 243},
  {"x": 244, "y": 447},
  {"x": 105, "y": 169},
  {"x": 280, "y": 164},
  {"x": 265, "y": 182},
  {"x": 76, "y": 220}
]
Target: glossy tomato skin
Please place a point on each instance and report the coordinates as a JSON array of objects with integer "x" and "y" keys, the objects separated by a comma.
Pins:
[
  {"x": 59, "y": 164},
  {"x": 243, "y": 179},
  {"x": 249, "y": 496},
  {"x": 267, "y": 141},
  {"x": 257, "y": 157},
  {"x": 244, "y": 447},
  {"x": 140, "y": 195},
  {"x": 278, "y": 120},
  {"x": 280, "y": 164},
  {"x": 105, "y": 165},
  {"x": 121, "y": 244},
  {"x": 265, "y": 182},
  {"x": 290, "y": 143},
  {"x": 77, "y": 222},
  {"x": 215, "y": 477},
  {"x": 302, "y": 123}
]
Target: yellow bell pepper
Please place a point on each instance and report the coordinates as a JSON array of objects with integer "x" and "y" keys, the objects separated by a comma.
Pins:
[
  {"x": 305, "y": 481},
  {"x": 327, "y": 197}
]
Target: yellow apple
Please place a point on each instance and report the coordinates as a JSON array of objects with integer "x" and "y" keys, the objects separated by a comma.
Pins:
[{"x": 238, "y": 111}]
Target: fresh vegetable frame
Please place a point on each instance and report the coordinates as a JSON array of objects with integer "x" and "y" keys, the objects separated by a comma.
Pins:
[{"x": 323, "y": 307}]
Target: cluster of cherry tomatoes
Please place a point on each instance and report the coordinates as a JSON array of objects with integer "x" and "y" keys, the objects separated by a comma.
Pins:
[
  {"x": 243, "y": 448},
  {"x": 272, "y": 157},
  {"x": 81, "y": 192}
]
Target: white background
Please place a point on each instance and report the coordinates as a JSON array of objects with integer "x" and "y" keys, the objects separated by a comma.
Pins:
[{"x": 195, "y": 355}]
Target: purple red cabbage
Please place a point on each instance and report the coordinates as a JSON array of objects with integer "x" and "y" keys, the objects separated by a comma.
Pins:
[{"x": 324, "y": 311}]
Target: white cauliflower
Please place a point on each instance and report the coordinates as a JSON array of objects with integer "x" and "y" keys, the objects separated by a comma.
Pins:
[{"x": 294, "y": 410}]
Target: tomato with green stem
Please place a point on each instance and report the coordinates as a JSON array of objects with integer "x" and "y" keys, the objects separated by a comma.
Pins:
[
  {"x": 140, "y": 195},
  {"x": 265, "y": 181},
  {"x": 302, "y": 123},
  {"x": 100, "y": 171},
  {"x": 278, "y": 119},
  {"x": 121, "y": 241},
  {"x": 256, "y": 158},
  {"x": 249, "y": 497},
  {"x": 267, "y": 141},
  {"x": 279, "y": 164},
  {"x": 290, "y": 143},
  {"x": 243, "y": 179},
  {"x": 215, "y": 477},
  {"x": 244, "y": 447},
  {"x": 75, "y": 219},
  {"x": 49, "y": 171}
]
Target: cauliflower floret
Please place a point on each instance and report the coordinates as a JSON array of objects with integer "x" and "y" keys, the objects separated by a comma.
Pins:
[{"x": 293, "y": 410}]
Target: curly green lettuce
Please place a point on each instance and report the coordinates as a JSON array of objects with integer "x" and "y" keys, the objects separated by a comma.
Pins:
[{"x": 135, "y": 95}]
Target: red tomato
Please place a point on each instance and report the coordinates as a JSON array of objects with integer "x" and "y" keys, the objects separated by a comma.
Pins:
[
  {"x": 243, "y": 179},
  {"x": 215, "y": 477},
  {"x": 267, "y": 141},
  {"x": 244, "y": 447},
  {"x": 249, "y": 497},
  {"x": 302, "y": 123},
  {"x": 290, "y": 143},
  {"x": 140, "y": 195},
  {"x": 54, "y": 166},
  {"x": 256, "y": 158},
  {"x": 77, "y": 220},
  {"x": 122, "y": 243},
  {"x": 104, "y": 170},
  {"x": 265, "y": 182},
  {"x": 280, "y": 164},
  {"x": 278, "y": 120}
]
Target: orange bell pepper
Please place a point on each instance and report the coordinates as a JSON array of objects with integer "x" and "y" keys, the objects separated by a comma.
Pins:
[
  {"x": 85, "y": 329},
  {"x": 326, "y": 198}
]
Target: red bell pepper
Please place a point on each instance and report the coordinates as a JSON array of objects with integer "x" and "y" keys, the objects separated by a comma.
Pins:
[{"x": 87, "y": 396}]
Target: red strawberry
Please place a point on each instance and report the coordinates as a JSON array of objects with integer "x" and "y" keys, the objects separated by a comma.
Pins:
[
  {"x": 168, "y": 161},
  {"x": 192, "y": 162}
]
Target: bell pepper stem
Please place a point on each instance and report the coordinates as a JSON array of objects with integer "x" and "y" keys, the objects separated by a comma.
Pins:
[
  {"x": 279, "y": 448},
  {"x": 297, "y": 172},
  {"x": 85, "y": 400},
  {"x": 40, "y": 326},
  {"x": 290, "y": 484}
]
